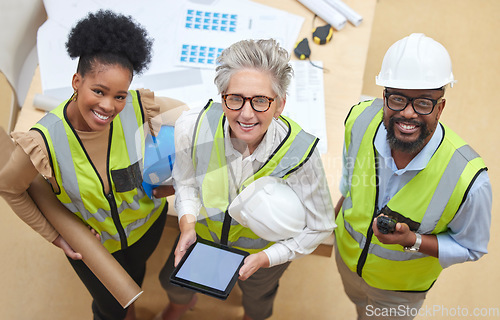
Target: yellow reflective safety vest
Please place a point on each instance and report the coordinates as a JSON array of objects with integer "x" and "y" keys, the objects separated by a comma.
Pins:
[
  {"x": 211, "y": 170},
  {"x": 430, "y": 200},
  {"x": 125, "y": 214}
]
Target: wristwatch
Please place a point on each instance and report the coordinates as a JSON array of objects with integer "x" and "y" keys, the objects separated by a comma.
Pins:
[{"x": 417, "y": 244}]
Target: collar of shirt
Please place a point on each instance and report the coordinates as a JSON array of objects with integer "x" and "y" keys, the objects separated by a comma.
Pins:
[{"x": 421, "y": 159}]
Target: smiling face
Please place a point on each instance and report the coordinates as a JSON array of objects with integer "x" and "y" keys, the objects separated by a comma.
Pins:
[
  {"x": 101, "y": 97},
  {"x": 248, "y": 126},
  {"x": 408, "y": 131}
]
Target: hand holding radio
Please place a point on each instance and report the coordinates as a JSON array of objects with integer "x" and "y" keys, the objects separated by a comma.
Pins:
[
  {"x": 386, "y": 224},
  {"x": 389, "y": 229}
]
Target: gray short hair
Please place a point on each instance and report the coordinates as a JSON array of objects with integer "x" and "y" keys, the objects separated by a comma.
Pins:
[{"x": 262, "y": 55}]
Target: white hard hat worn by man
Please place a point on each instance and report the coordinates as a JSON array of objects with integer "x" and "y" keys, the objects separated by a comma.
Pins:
[{"x": 416, "y": 62}]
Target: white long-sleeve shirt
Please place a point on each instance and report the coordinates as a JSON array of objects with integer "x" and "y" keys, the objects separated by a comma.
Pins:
[{"x": 308, "y": 182}]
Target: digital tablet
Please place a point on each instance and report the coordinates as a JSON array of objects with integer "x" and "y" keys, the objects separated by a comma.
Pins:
[{"x": 209, "y": 268}]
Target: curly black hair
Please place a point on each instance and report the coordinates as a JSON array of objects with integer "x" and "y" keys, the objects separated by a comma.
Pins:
[{"x": 109, "y": 38}]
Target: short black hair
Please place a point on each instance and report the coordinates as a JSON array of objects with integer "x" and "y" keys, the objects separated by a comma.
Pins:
[{"x": 109, "y": 38}]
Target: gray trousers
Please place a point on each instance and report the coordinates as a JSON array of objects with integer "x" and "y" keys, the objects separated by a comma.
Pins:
[{"x": 373, "y": 303}]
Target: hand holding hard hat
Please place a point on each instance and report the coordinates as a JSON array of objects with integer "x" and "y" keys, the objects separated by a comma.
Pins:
[{"x": 270, "y": 208}]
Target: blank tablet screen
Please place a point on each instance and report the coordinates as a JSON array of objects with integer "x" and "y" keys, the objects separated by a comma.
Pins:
[{"x": 210, "y": 268}]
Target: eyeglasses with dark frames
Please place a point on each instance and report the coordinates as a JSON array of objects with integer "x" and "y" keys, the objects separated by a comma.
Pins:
[
  {"x": 421, "y": 105},
  {"x": 237, "y": 101}
]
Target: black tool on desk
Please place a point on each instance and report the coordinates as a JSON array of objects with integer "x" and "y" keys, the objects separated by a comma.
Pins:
[
  {"x": 303, "y": 51},
  {"x": 320, "y": 35},
  {"x": 323, "y": 34}
]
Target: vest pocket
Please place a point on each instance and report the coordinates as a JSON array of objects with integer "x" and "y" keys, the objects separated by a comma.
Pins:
[{"x": 127, "y": 179}]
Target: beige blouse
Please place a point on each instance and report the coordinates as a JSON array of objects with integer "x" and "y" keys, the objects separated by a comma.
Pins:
[{"x": 30, "y": 158}]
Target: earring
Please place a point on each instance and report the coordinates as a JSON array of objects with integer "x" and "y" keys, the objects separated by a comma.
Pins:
[{"x": 74, "y": 97}]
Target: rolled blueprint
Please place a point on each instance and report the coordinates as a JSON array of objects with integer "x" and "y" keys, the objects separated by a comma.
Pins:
[
  {"x": 44, "y": 102},
  {"x": 351, "y": 15},
  {"x": 77, "y": 235},
  {"x": 326, "y": 12}
]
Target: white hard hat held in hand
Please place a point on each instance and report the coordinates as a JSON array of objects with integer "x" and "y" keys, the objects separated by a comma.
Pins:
[
  {"x": 416, "y": 62},
  {"x": 270, "y": 208}
]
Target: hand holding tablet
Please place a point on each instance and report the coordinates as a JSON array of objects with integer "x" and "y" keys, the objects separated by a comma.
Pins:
[{"x": 209, "y": 268}]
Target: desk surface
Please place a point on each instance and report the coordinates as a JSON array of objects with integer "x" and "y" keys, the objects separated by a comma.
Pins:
[{"x": 344, "y": 57}]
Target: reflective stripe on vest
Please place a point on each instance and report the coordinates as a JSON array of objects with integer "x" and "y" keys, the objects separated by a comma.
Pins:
[
  {"x": 212, "y": 174},
  {"x": 81, "y": 189},
  {"x": 426, "y": 200}
]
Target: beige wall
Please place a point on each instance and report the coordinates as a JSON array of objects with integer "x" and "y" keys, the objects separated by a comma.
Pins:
[{"x": 5, "y": 101}]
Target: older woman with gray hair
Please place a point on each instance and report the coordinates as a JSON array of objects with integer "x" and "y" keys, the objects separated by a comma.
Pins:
[{"x": 221, "y": 150}]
